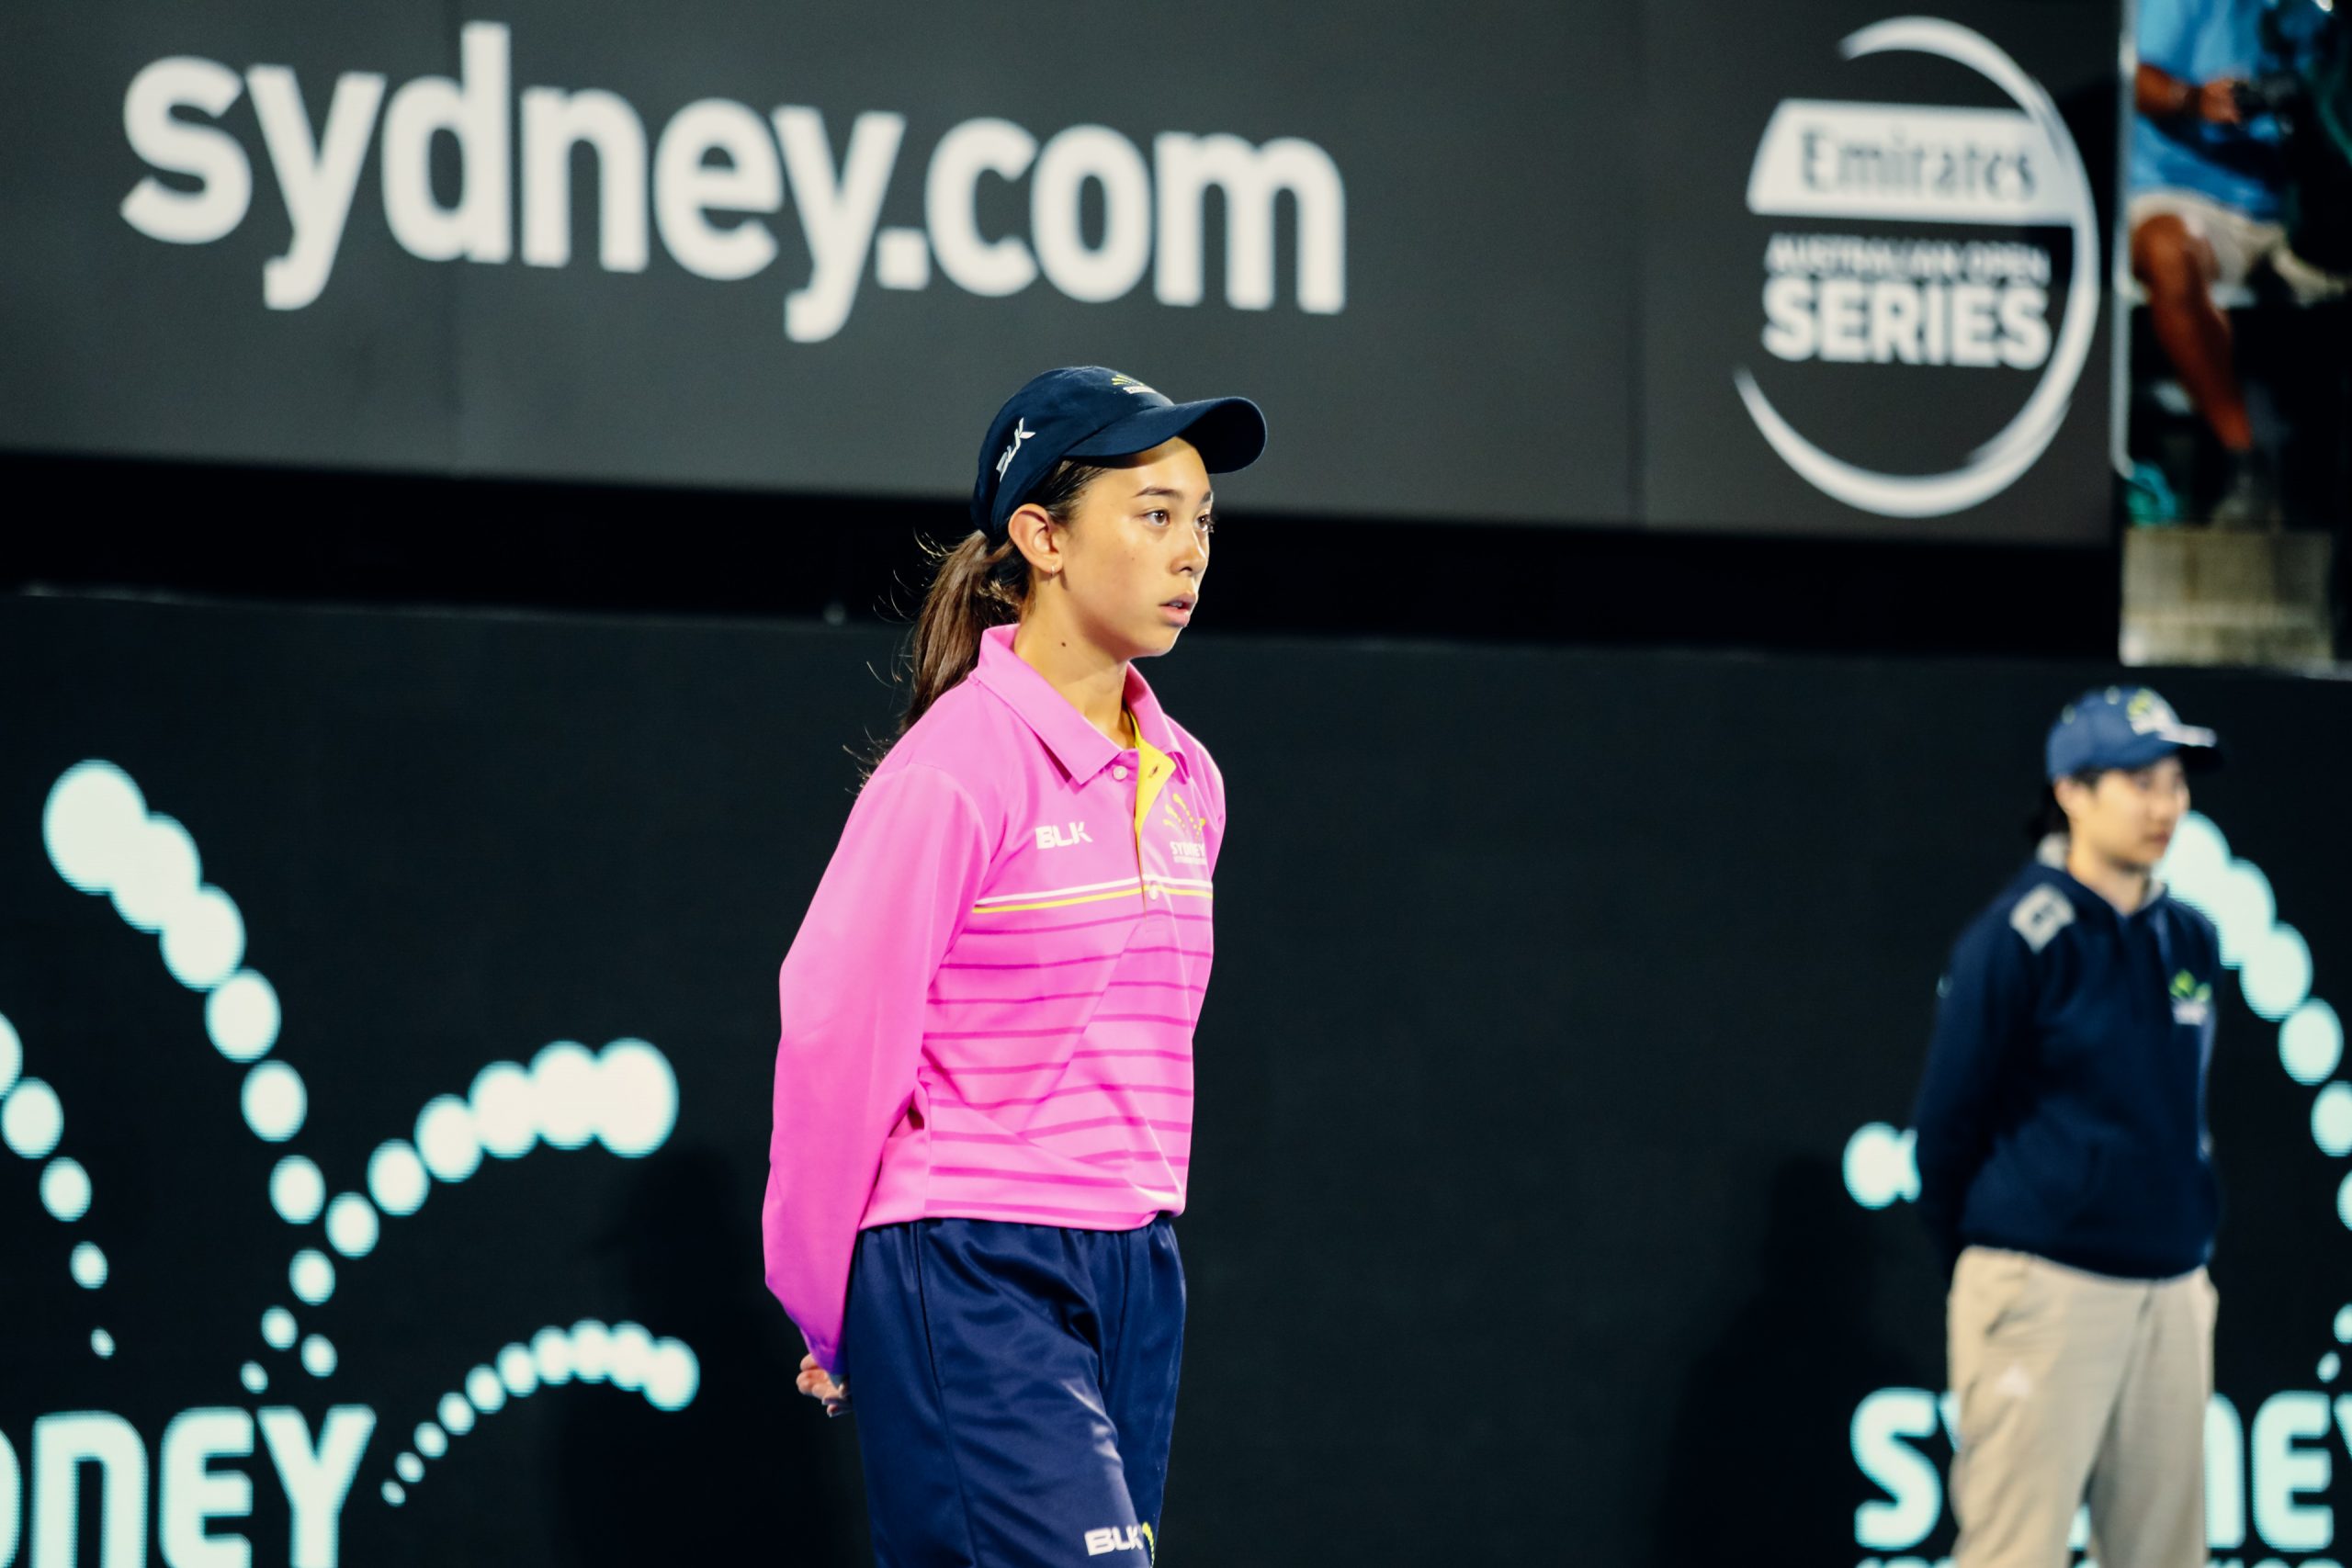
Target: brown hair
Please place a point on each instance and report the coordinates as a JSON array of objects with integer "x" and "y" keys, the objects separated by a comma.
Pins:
[
  {"x": 976, "y": 585},
  {"x": 2050, "y": 818}
]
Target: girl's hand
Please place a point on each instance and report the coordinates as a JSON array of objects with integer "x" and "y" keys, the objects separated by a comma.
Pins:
[{"x": 817, "y": 1384}]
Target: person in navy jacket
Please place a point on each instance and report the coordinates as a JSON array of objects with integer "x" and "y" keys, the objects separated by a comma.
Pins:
[{"x": 2065, "y": 1169}]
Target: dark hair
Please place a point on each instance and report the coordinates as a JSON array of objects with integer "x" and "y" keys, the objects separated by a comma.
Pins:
[
  {"x": 2049, "y": 816},
  {"x": 976, "y": 585}
]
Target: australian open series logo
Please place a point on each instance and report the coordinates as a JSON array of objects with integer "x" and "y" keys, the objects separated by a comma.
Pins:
[{"x": 1938, "y": 295}]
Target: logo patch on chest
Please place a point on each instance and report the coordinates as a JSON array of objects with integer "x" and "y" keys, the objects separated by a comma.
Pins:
[
  {"x": 2192, "y": 1002},
  {"x": 1053, "y": 838}
]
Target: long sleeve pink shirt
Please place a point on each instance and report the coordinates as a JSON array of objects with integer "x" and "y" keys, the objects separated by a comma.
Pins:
[{"x": 988, "y": 1012}]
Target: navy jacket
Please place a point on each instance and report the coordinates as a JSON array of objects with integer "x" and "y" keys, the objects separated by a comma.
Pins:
[{"x": 2063, "y": 1111}]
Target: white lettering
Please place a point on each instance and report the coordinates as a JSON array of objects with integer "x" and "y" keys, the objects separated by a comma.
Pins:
[
  {"x": 61, "y": 1445},
  {"x": 1894, "y": 322},
  {"x": 2283, "y": 1470},
  {"x": 1104, "y": 1541},
  {"x": 1842, "y": 321},
  {"x": 989, "y": 267},
  {"x": 553, "y": 123},
  {"x": 2224, "y": 1475},
  {"x": 316, "y": 180},
  {"x": 209, "y": 154},
  {"x": 1788, "y": 318},
  {"x": 1094, "y": 152},
  {"x": 317, "y": 1480},
  {"x": 686, "y": 187},
  {"x": 475, "y": 112},
  {"x": 2025, "y": 326},
  {"x": 12, "y": 1500},
  {"x": 1880, "y": 320},
  {"x": 189, "y": 1492},
  {"x": 713, "y": 175},
  {"x": 1939, "y": 315},
  {"x": 837, "y": 216},
  {"x": 1882, "y": 1426},
  {"x": 1251, "y": 179},
  {"x": 1971, "y": 324}
]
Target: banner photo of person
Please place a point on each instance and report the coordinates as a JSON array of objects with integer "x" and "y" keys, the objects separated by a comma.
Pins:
[
  {"x": 2238, "y": 214},
  {"x": 391, "y": 1014}
]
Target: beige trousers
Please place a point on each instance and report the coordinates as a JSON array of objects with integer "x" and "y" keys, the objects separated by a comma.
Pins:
[{"x": 2074, "y": 1386}]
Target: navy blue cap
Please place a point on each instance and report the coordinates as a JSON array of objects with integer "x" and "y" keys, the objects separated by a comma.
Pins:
[
  {"x": 2121, "y": 726},
  {"x": 1086, "y": 411}
]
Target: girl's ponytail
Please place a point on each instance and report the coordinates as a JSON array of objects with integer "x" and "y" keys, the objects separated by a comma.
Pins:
[{"x": 973, "y": 586}]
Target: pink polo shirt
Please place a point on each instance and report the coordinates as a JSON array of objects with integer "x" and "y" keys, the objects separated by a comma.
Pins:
[{"x": 989, "y": 1011}]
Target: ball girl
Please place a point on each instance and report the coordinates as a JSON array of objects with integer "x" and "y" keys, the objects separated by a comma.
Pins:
[{"x": 983, "y": 1089}]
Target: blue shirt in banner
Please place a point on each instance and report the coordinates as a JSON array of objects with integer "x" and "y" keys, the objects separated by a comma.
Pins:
[
  {"x": 2063, "y": 1109},
  {"x": 2201, "y": 41}
]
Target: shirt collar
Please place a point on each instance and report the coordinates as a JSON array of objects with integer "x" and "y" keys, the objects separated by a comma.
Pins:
[
  {"x": 2091, "y": 898},
  {"x": 1081, "y": 748}
]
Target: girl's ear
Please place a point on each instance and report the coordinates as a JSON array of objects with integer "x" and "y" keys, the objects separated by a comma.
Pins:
[
  {"x": 2073, "y": 795},
  {"x": 1038, "y": 538}
]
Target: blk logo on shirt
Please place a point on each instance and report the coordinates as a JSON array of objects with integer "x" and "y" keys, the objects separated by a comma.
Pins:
[
  {"x": 1102, "y": 1542},
  {"x": 1051, "y": 838}
]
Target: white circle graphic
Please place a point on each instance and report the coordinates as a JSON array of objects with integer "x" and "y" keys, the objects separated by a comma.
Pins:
[
  {"x": 12, "y": 1057},
  {"x": 552, "y": 1354},
  {"x": 352, "y": 1225},
  {"x": 275, "y": 1102},
  {"x": 486, "y": 1390},
  {"x": 2311, "y": 1043},
  {"x": 65, "y": 1190},
  {"x": 89, "y": 1266},
  {"x": 312, "y": 1276},
  {"x": 518, "y": 1371},
  {"x": 445, "y": 1137},
  {"x": 396, "y": 1178},
  {"x": 242, "y": 1017},
  {"x": 32, "y": 1121},
  {"x": 297, "y": 1190},
  {"x": 94, "y": 811},
  {"x": 639, "y": 1096}
]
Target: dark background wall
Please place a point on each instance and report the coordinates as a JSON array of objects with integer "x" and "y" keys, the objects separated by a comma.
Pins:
[{"x": 1552, "y": 985}]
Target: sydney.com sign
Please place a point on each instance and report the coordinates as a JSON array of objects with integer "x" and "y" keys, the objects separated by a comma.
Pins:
[
  {"x": 709, "y": 183},
  {"x": 809, "y": 249}
]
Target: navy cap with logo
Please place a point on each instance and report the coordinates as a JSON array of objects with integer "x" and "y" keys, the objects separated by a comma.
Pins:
[
  {"x": 1086, "y": 411},
  {"x": 2122, "y": 726}
]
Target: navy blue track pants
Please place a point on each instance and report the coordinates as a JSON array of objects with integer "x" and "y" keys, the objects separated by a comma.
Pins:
[{"x": 1013, "y": 1388}]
